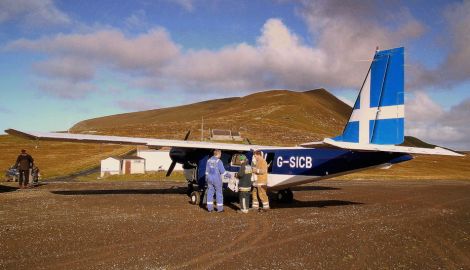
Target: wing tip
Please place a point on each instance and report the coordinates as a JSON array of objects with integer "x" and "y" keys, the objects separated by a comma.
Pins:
[{"x": 21, "y": 134}]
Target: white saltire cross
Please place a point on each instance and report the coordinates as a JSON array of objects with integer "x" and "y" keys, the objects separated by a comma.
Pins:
[{"x": 365, "y": 113}]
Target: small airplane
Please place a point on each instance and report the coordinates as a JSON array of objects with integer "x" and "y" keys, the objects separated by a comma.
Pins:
[{"x": 370, "y": 139}]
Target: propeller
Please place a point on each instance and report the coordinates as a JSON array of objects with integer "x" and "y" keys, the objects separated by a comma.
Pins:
[{"x": 173, "y": 163}]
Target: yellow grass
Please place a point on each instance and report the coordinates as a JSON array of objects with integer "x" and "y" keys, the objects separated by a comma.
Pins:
[
  {"x": 57, "y": 158},
  {"x": 425, "y": 167},
  {"x": 152, "y": 176}
]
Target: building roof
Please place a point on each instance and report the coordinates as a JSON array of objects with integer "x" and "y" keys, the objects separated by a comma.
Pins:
[
  {"x": 126, "y": 157},
  {"x": 220, "y": 132},
  {"x": 130, "y": 157}
]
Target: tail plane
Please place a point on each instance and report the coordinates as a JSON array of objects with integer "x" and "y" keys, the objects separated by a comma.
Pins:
[
  {"x": 379, "y": 110},
  {"x": 377, "y": 121}
]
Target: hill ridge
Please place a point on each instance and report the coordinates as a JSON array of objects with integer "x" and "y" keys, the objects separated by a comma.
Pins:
[{"x": 276, "y": 116}]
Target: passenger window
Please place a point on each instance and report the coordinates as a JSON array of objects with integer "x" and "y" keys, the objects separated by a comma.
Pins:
[{"x": 236, "y": 160}]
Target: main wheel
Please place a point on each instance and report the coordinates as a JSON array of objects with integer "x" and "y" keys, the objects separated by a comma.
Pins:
[
  {"x": 195, "y": 197},
  {"x": 190, "y": 189},
  {"x": 285, "y": 196}
]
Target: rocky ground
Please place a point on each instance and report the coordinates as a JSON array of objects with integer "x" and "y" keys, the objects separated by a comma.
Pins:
[{"x": 150, "y": 225}]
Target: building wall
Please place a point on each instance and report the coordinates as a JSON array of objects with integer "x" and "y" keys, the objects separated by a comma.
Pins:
[
  {"x": 110, "y": 166},
  {"x": 157, "y": 160},
  {"x": 221, "y": 137},
  {"x": 138, "y": 166}
]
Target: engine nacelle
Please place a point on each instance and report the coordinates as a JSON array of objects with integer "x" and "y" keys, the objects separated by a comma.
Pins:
[{"x": 187, "y": 157}]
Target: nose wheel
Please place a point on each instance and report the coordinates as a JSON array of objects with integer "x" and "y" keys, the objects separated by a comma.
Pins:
[
  {"x": 195, "y": 197},
  {"x": 285, "y": 196}
]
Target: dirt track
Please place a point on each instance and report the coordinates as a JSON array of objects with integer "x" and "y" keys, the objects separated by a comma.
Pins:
[{"x": 151, "y": 225}]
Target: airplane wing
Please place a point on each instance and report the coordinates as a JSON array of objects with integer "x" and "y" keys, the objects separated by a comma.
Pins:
[
  {"x": 385, "y": 148},
  {"x": 69, "y": 137}
]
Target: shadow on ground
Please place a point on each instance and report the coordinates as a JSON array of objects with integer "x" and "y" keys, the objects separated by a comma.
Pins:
[
  {"x": 7, "y": 188},
  {"x": 172, "y": 190},
  {"x": 318, "y": 204},
  {"x": 309, "y": 188}
]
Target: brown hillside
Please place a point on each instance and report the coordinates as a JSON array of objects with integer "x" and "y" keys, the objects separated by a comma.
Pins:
[{"x": 276, "y": 117}]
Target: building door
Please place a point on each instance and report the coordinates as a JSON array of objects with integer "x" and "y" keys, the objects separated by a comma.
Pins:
[{"x": 127, "y": 168}]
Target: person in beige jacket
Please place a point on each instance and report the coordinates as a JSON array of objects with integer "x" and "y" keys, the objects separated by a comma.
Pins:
[{"x": 260, "y": 186}]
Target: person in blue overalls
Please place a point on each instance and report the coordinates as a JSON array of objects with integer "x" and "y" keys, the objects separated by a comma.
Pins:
[{"x": 214, "y": 171}]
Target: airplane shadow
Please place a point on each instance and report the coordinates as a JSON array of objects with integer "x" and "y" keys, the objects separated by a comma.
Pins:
[
  {"x": 175, "y": 190},
  {"x": 309, "y": 188},
  {"x": 7, "y": 188},
  {"x": 317, "y": 204}
]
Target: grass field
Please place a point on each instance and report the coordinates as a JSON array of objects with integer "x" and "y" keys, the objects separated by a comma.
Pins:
[
  {"x": 152, "y": 176},
  {"x": 422, "y": 167},
  {"x": 57, "y": 158}
]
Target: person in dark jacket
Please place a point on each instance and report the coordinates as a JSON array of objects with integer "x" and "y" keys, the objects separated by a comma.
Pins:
[
  {"x": 24, "y": 163},
  {"x": 244, "y": 184}
]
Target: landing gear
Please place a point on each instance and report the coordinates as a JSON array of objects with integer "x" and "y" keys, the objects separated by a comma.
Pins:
[
  {"x": 190, "y": 189},
  {"x": 285, "y": 196},
  {"x": 195, "y": 197}
]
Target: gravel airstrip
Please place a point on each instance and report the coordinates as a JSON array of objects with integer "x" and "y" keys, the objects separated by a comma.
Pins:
[{"x": 333, "y": 224}]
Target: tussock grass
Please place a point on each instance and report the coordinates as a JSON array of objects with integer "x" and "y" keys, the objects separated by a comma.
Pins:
[{"x": 57, "y": 158}]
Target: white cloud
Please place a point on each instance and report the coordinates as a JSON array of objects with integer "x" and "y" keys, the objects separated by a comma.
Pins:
[
  {"x": 74, "y": 58},
  {"x": 421, "y": 108},
  {"x": 137, "y": 20},
  {"x": 32, "y": 12},
  {"x": 187, "y": 5},
  {"x": 147, "y": 51},
  {"x": 279, "y": 59},
  {"x": 428, "y": 121},
  {"x": 349, "y": 31},
  {"x": 72, "y": 68},
  {"x": 455, "y": 68}
]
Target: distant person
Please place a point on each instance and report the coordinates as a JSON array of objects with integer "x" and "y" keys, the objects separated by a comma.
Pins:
[
  {"x": 260, "y": 186},
  {"x": 24, "y": 163},
  {"x": 244, "y": 184},
  {"x": 214, "y": 171}
]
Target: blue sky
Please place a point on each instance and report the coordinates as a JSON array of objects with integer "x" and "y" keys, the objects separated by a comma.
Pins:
[{"x": 65, "y": 61}]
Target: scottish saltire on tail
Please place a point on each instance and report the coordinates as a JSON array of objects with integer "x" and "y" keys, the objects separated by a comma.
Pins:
[{"x": 379, "y": 111}]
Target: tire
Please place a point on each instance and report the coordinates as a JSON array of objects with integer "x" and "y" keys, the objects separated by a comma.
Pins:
[
  {"x": 195, "y": 198},
  {"x": 289, "y": 196},
  {"x": 190, "y": 189},
  {"x": 285, "y": 196}
]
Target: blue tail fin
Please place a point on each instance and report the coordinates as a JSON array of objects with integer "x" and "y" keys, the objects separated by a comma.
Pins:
[{"x": 379, "y": 111}]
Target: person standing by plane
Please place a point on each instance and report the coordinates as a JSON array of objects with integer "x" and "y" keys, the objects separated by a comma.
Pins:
[
  {"x": 244, "y": 184},
  {"x": 214, "y": 171},
  {"x": 24, "y": 163},
  {"x": 260, "y": 170}
]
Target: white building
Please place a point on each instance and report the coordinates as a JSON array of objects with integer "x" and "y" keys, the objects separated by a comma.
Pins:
[
  {"x": 122, "y": 165},
  {"x": 156, "y": 160},
  {"x": 110, "y": 166},
  {"x": 132, "y": 165}
]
